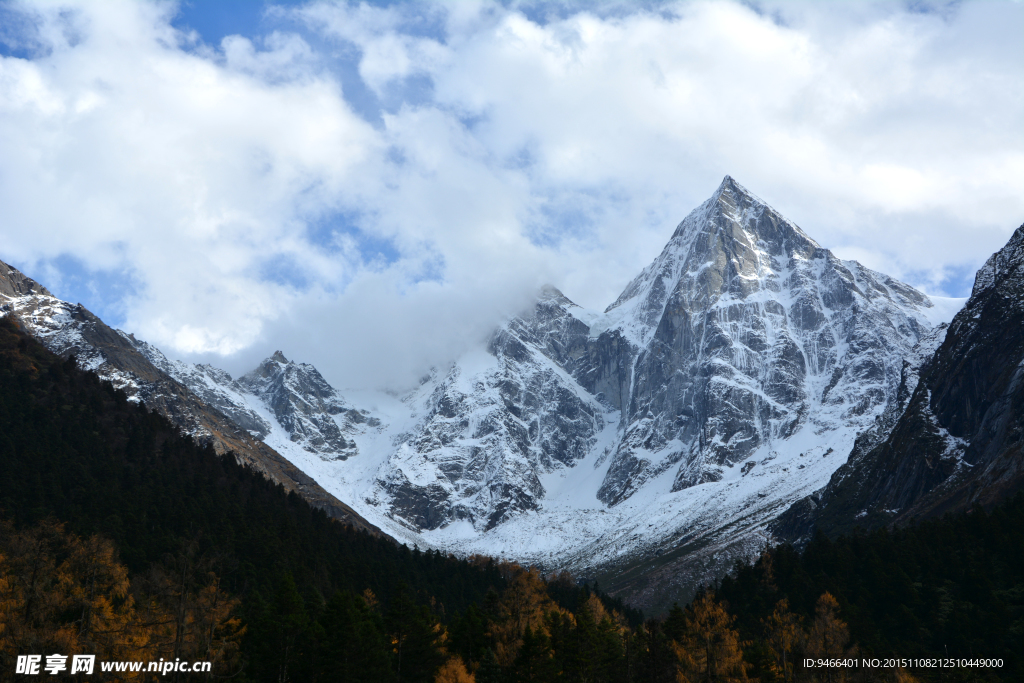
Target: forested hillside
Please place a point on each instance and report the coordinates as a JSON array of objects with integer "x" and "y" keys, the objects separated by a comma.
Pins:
[
  {"x": 75, "y": 449},
  {"x": 204, "y": 559}
]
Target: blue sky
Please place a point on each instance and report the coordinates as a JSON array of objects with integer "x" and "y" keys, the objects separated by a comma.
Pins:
[
  {"x": 385, "y": 182},
  {"x": 220, "y": 18}
]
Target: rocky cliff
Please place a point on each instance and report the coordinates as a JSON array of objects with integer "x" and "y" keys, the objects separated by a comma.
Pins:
[{"x": 741, "y": 333}]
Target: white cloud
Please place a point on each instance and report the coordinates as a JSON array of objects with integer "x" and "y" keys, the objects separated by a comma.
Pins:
[
  {"x": 127, "y": 150},
  {"x": 561, "y": 151}
]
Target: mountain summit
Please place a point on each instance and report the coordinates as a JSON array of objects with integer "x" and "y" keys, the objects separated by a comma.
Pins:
[
  {"x": 649, "y": 445},
  {"x": 740, "y": 334},
  {"x": 730, "y": 378}
]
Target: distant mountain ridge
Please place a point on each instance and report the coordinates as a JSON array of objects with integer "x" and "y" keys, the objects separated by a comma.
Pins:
[
  {"x": 71, "y": 330},
  {"x": 649, "y": 445}
]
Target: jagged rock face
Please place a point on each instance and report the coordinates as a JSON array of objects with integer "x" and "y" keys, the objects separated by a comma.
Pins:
[
  {"x": 494, "y": 423},
  {"x": 740, "y": 332},
  {"x": 293, "y": 398},
  {"x": 958, "y": 443},
  {"x": 208, "y": 384},
  {"x": 14, "y": 284},
  {"x": 304, "y": 403},
  {"x": 797, "y": 524}
]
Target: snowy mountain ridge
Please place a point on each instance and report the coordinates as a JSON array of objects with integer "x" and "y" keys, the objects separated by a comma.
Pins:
[
  {"x": 955, "y": 442},
  {"x": 651, "y": 444},
  {"x": 731, "y": 378},
  {"x": 785, "y": 333}
]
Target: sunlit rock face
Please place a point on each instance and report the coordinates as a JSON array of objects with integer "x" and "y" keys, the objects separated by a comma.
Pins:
[{"x": 309, "y": 409}]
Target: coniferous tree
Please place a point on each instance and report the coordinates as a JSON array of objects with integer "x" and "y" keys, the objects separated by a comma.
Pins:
[
  {"x": 658, "y": 661},
  {"x": 354, "y": 648},
  {"x": 534, "y": 663},
  {"x": 416, "y": 638},
  {"x": 829, "y": 636},
  {"x": 782, "y": 634},
  {"x": 276, "y": 628},
  {"x": 489, "y": 670},
  {"x": 454, "y": 671},
  {"x": 710, "y": 649},
  {"x": 467, "y": 635}
]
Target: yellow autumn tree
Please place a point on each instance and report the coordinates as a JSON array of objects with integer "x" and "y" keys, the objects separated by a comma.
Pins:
[
  {"x": 782, "y": 633},
  {"x": 524, "y": 603},
  {"x": 99, "y": 594},
  {"x": 709, "y": 649},
  {"x": 190, "y": 617},
  {"x": 61, "y": 594},
  {"x": 828, "y": 637},
  {"x": 33, "y": 602},
  {"x": 454, "y": 671}
]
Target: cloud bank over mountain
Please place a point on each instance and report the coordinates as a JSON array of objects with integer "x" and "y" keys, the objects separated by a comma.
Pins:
[{"x": 361, "y": 184}]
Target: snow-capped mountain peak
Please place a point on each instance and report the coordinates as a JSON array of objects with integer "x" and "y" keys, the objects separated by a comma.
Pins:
[
  {"x": 704, "y": 389},
  {"x": 730, "y": 378}
]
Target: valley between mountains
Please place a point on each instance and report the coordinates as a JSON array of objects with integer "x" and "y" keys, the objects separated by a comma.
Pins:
[{"x": 648, "y": 446}]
